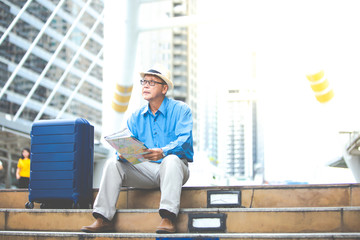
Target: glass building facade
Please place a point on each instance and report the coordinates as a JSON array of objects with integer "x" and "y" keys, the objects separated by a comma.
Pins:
[
  {"x": 51, "y": 63},
  {"x": 51, "y": 67}
]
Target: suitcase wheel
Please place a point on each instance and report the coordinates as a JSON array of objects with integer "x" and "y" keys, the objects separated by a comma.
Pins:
[
  {"x": 81, "y": 205},
  {"x": 29, "y": 205},
  {"x": 75, "y": 205}
]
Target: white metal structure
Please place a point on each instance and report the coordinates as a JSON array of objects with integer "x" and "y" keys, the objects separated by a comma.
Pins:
[
  {"x": 351, "y": 155},
  {"x": 52, "y": 66},
  {"x": 51, "y": 60}
]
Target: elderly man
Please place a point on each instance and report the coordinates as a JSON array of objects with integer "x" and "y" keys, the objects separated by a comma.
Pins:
[{"x": 165, "y": 126}]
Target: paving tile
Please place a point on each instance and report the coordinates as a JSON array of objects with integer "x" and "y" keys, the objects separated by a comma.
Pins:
[
  {"x": 283, "y": 221},
  {"x": 355, "y": 195},
  {"x": 351, "y": 220},
  {"x": 306, "y": 197},
  {"x": 48, "y": 220}
]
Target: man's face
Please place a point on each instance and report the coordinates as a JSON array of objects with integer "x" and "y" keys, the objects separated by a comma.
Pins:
[{"x": 153, "y": 92}]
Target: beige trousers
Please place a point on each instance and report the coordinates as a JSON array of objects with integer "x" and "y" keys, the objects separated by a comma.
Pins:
[{"x": 170, "y": 175}]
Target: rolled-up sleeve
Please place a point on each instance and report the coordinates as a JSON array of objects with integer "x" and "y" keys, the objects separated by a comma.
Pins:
[{"x": 182, "y": 146}]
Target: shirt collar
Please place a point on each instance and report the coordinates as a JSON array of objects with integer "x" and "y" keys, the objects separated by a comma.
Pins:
[{"x": 162, "y": 108}]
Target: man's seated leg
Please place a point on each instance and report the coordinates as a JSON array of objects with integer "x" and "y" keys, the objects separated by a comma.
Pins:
[
  {"x": 115, "y": 175},
  {"x": 105, "y": 202},
  {"x": 174, "y": 173}
]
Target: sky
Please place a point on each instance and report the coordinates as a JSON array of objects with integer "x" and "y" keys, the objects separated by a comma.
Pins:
[
  {"x": 272, "y": 46},
  {"x": 291, "y": 39}
]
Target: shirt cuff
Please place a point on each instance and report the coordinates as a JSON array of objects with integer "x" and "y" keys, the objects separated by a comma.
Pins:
[{"x": 165, "y": 151}]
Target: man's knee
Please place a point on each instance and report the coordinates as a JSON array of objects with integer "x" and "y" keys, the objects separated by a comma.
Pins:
[
  {"x": 110, "y": 163},
  {"x": 171, "y": 161},
  {"x": 173, "y": 165}
]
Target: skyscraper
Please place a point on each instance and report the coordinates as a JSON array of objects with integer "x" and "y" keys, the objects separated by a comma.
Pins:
[
  {"x": 176, "y": 46},
  {"x": 51, "y": 60},
  {"x": 240, "y": 148},
  {"x": 51, "y": 67},
  {"x": 47, "y": 60}
]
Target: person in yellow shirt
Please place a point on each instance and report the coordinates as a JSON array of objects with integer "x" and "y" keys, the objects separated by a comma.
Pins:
[
  {"x": 2, "y": 176},
  {"x": 23, "y": 169}
]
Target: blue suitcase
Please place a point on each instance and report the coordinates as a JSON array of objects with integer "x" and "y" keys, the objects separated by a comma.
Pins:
[{"x": 61, "y": 171}]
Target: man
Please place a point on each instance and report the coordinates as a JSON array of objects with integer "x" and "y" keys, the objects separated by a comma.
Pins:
[{"x": 165, "y": 126}]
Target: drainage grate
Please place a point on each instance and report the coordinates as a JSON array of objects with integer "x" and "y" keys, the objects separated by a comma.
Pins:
[
  {"x": 221, "y": 198},
  {"x": 207, "y": 222}
]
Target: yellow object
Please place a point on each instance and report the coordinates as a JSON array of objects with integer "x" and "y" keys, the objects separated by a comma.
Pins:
[
  {"x": 123, "y": 89},
  {"x": 325, "y": 97},
  {"x": 316, "y": 76},
  {"x": 121, "y": 98},
  {"x": 24, "y": 166},
  {"x": 318, "y": 87},
  {"x": 321, "y": 87},
  {"x": 119, "y": 108}
]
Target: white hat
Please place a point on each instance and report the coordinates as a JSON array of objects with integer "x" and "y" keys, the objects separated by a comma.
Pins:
[{"x": 161, "y": 72}]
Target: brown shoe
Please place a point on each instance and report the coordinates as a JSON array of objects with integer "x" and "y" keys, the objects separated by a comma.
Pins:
[
  {"x": 100, "y": 225},
  {"x": 166, "y": 226}
]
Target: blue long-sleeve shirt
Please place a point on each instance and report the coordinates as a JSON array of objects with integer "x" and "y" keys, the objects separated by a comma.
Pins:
[{"x": 169, "y": 129}]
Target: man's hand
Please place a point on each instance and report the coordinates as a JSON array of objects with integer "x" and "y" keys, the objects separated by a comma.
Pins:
[{"x": 154, "y": 154}]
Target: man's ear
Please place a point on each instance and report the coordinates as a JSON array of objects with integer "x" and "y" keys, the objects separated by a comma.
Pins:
[{"x": 165, "y": 89}]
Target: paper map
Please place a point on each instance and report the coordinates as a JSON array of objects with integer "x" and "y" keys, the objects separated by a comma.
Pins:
[{"x": 128, "y": 146}]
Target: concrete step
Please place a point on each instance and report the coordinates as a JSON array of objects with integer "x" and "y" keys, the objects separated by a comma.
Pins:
[
  {"x": 237, "y": 220},
  {"x": 17, "y": 235},
  {"x": 264, "y": 196}
]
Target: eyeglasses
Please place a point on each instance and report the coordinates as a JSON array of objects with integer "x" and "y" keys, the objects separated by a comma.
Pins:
[{"x": 151, "y": 82}]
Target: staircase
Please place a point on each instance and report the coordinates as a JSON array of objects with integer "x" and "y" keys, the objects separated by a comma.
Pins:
[{"x": 243, "y": 212}]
